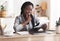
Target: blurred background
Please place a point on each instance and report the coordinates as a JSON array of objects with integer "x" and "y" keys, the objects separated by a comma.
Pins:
[{"x": 9, "y": 9}]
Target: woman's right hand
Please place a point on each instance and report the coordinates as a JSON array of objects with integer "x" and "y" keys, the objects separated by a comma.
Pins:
[{"x": 27, "y": 21}]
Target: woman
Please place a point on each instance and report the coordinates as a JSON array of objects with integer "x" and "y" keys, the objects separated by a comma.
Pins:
[{"x": 26, "y": 21}]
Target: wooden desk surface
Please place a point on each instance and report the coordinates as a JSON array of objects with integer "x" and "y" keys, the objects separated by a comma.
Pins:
[
  {"x": 22, "y": 38},
  {"x": 16, "y": 37}
]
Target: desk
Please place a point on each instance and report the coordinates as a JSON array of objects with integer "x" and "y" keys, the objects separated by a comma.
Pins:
[
  {"x": 16, "y": 37},
  {"x": 22, "y": 38}
]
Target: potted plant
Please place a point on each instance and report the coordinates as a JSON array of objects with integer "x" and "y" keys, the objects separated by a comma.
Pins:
[
  {"x": 58, "y": 26},
  {"x": 3, "y": 11},
  {"x": 58, "y": 22}
]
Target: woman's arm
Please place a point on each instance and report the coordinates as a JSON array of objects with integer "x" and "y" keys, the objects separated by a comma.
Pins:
[
  {"x": 36, "y": 21},
  {"x": 18, "y": 25}
]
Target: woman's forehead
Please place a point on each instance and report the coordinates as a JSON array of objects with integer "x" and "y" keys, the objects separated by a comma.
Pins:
[{"x": 29, "y": 6}]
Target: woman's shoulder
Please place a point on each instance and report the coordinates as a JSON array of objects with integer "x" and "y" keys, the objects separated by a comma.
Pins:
[{"x": 18, "y": 16}]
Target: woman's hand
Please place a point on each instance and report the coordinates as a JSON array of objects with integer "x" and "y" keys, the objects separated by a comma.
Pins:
[{"x": 28, "y": 19}]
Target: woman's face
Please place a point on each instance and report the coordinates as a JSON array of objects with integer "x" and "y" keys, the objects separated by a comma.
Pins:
[{"x": 28, "y": 9}]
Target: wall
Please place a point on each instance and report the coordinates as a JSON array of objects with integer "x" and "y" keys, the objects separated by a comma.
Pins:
[
  {"x": 13, "y": 6},
  {"x": 55, "y": 13},
  {"x": 2, "y": 1},
  {"x": 18, "y": 4}
]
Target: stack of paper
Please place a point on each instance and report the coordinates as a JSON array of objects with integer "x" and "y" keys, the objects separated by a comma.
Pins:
[{"x": 23, "y": 32}]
